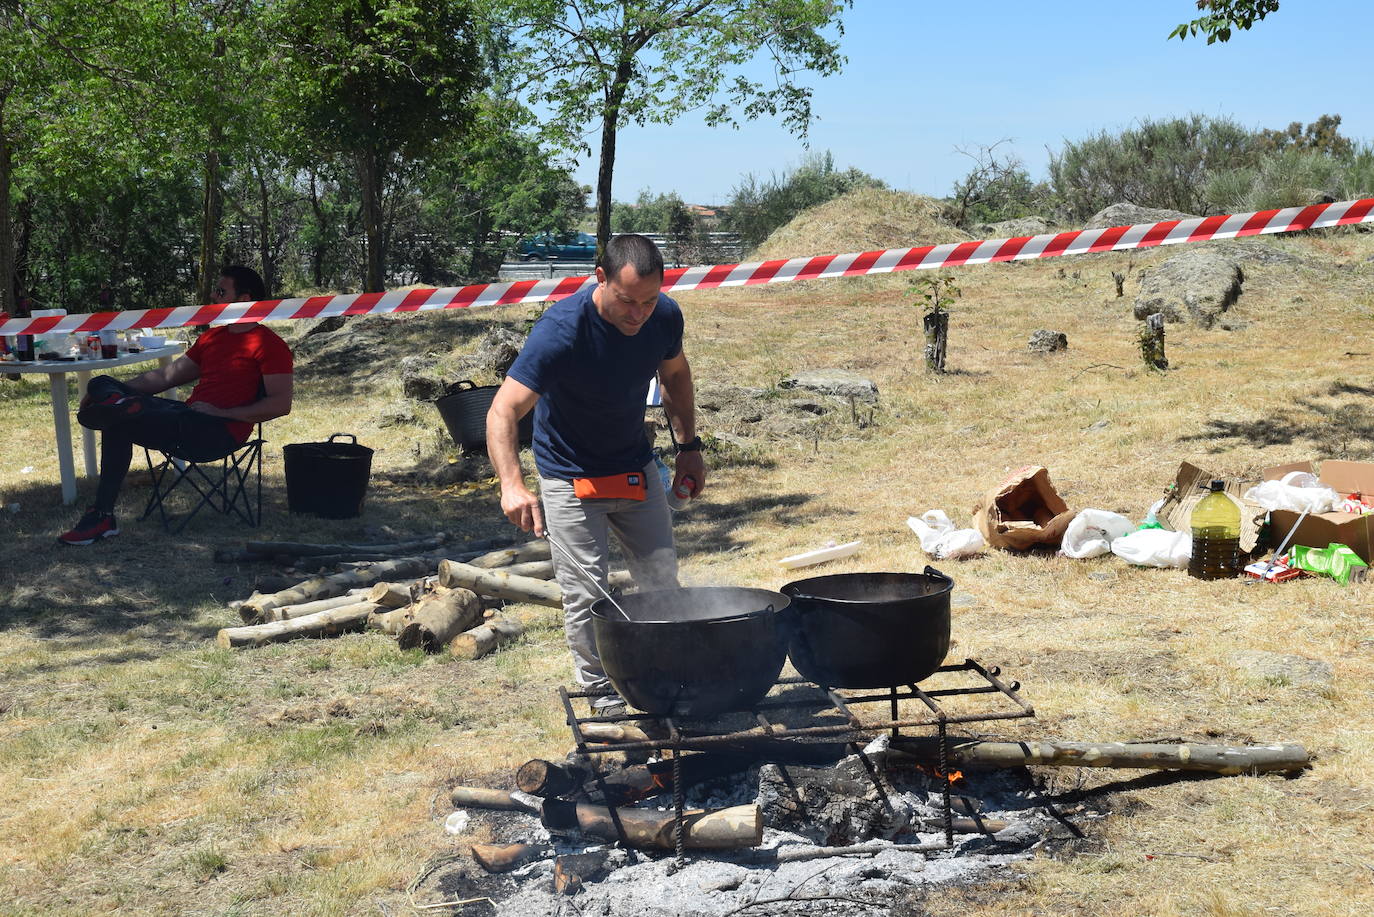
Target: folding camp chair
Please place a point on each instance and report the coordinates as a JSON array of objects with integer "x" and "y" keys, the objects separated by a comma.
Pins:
[{"x": 222, "y": 484}]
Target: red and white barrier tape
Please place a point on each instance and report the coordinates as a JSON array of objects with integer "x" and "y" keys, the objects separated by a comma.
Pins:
[{"x": 1116, "y": 238}]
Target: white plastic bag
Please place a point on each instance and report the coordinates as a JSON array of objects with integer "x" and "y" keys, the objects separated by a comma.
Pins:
[
  {"x": 1297, "y": 491},
  {"x": 941, "y": 540},
  {"x": 1092, "y": 532},
  {"x": 1155, "y": 548}
]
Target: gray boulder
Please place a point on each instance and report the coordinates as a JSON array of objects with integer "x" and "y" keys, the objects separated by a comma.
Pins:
[
  {"x": 416, "y": 381},
  {"x": 1046, "y": 341},
  {"x": 1198, "y": 284},
  {"x": 1129, "y": 214},
  {"x": 837, "y": 382},
  {"x": 495, "y": 352}
]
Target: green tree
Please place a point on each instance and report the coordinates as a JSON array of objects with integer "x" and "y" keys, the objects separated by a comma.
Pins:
[
  {"x": 1221, "y": 16},
  {"x": 610, "y": 63},
  {"x": 379, "y": 82}
]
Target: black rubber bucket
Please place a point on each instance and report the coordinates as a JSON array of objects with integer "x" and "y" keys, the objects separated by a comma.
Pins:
[
  {"x": 869, "y": 630},
  {"x": 464, "y": 409},
  {"x": 327, "y": 479}
]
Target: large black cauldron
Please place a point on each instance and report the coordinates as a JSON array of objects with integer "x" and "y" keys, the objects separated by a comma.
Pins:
[
  {"x": 869, "y": 630},
  {"x": 692, "y": 652}
]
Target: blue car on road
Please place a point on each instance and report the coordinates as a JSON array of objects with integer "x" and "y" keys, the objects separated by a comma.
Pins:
[{"x": 558, "y": 246}]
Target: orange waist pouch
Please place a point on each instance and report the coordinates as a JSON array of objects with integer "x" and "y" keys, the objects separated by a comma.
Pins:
[{"x": 610, "y": 487}]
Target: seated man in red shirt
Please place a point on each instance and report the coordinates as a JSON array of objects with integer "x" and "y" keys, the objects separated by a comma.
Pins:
[{"x": 242, "y": 374}]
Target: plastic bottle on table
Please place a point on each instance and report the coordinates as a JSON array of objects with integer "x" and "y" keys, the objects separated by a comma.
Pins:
[{"x": 1216, "y": 536}]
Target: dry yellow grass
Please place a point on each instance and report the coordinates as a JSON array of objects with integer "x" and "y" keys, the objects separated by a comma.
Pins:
[
  {"x": 861, "y": 221},
  {"x": 143, "y": 769}
]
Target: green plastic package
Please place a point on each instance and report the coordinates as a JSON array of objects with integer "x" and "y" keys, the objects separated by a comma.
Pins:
[{"x": 1335, "y": 560}]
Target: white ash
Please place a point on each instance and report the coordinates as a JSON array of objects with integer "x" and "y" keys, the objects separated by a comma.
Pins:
[{"x": 715, "y": 883}]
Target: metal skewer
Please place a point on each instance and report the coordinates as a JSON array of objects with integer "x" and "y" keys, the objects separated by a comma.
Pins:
[{"x": 587, "y": 574}]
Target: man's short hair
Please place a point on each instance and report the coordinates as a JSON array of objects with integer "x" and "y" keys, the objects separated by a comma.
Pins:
[
  {"x": 247, "y": 282},
  {"x": 634, "y": 249}
]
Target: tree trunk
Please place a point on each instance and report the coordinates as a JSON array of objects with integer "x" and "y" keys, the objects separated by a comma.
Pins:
[
  {"x": 370, "y": 180},
  {"x": 287, "y": 612},
  {"x": 936, "y": 324},
  {"x": 1220, "y": 759},
  {"x": 1152, "y": 342},
  {"x": 522, "y": 553},
  {"x": 9, "y": 281},
  {"x": 269, "y": 264},
  {"x": 320, "y": 624},
  {"x": 212, "y": 206},
  {"x": 317, "y": 249},
  {"x": 610, "y": 118}
]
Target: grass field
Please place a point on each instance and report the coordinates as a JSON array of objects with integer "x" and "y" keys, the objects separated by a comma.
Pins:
[{"x": 145, "y": 771}]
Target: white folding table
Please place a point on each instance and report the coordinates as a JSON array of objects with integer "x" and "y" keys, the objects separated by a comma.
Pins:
[{"x": 56, "y": 371}]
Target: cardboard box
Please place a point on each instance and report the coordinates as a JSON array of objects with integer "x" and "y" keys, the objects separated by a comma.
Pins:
[
  {"x": 1321, "y": 529},
  {"x": 1191, "y": 486}
]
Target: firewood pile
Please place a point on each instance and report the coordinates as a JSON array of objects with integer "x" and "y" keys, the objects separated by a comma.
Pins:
[{"x": 425, "y": 593}]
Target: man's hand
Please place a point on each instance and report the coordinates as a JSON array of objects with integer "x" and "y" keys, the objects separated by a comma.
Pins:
[
  {"x": 206, "y": 407},
  {"x": 522, "y": 508},
  {"x": 690, "y": 464}
]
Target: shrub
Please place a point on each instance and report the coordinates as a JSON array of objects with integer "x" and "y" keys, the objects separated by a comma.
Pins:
[
  {"x": 998, "y": 187},
  {"x": 759, "y": 206},
  {"x": 1162, "y": 164}
]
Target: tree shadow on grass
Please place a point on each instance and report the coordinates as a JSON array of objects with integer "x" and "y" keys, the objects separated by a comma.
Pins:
[{"x": 1337, "y": 429}]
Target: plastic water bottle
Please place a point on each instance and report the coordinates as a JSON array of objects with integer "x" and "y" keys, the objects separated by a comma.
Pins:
[{"x": 1216, "y": 536}]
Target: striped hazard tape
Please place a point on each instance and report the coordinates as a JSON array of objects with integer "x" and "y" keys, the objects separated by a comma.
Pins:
[{"x": 1021, "y": 248}]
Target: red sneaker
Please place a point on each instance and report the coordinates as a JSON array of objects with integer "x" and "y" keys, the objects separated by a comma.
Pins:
[{"x": 93, "y": 526}]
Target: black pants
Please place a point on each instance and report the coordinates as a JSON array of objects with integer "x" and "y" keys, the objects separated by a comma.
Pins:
[{"x": 146, "y": 420}]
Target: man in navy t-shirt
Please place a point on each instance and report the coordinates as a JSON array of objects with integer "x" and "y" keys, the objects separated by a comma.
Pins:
[{"x": 585, "y": 372}]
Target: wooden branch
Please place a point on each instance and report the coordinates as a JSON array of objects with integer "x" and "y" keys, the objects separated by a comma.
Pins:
[
  {"x": 548, "y": 778},
  {"x": 437, "y": 619},
  {"x": 404, "y": 548},
  {"x": 475, "y": 797},
  {"x": 499, "y": 585},
  {"x": 538, "y": 569},
  {"x": 532, "y": 550},
  {"x": 287, "y": 612},
  {"x": 320, "y": 624},
  {"x": 573, "y": 870},
  {"x": 754, "y": 743},
  {"x": 722, "y": 829},
  {"x": 324, "y": 587},
  {"x": 479, "y": 641},
  {"x": 1220, "y": 759},
  {"x": 505, "y": 857}
]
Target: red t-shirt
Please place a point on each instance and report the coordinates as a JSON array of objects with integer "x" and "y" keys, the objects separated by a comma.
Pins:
[{"x": 232, "y": 364}]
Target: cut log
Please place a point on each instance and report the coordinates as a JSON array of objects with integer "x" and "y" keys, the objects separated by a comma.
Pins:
[
  {"x": 499, "y": 585},
  {"x": 756, "y": 744},
  {"x": 437, "y": 619},
  {"x": 392, "y": 595},
  {"x": 320, "y": 624},
  {"x": 325, "y": 587},
  {"x": 476, "y": 797},
  {"x": 505, "y": 857},
  {"x": 722, "y": 829},
  {"x": 547, "y": 778},
  {"x": 287, "y": 612},
  {"x": 537, "y": 569},
  {"x": 519, "y": 554},
  {"x": 573, "y": 870},
  {"x": 403, "y": 548},
  {"x": 389, "y": 620},
  {"x": 479, "y": 641},
  {"x": 1220, "y": 759}
]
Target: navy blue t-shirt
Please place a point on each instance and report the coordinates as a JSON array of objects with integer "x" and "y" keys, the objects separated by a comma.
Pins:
[{"x": 592, "y": 381}]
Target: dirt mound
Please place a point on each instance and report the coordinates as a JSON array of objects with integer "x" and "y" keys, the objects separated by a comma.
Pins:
[{"x": 861, "y": 221}]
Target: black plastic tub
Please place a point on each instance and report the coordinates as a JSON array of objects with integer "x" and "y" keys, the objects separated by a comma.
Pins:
[
  {"x": 869, "y": 630},
  {"x": 464, "y": 409},
  {"x": 327, "y": 479},
  {"x": 692, "y": 652}
]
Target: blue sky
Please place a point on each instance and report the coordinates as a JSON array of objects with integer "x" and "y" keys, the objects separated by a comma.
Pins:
[{"x": 925, "y": 78}]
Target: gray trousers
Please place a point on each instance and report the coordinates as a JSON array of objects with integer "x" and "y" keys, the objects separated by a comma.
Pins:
[{"x": 645, "y": 532}]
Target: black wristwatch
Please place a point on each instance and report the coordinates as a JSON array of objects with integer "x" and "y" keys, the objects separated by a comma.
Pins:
[{"x": 693, "y": 446}]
